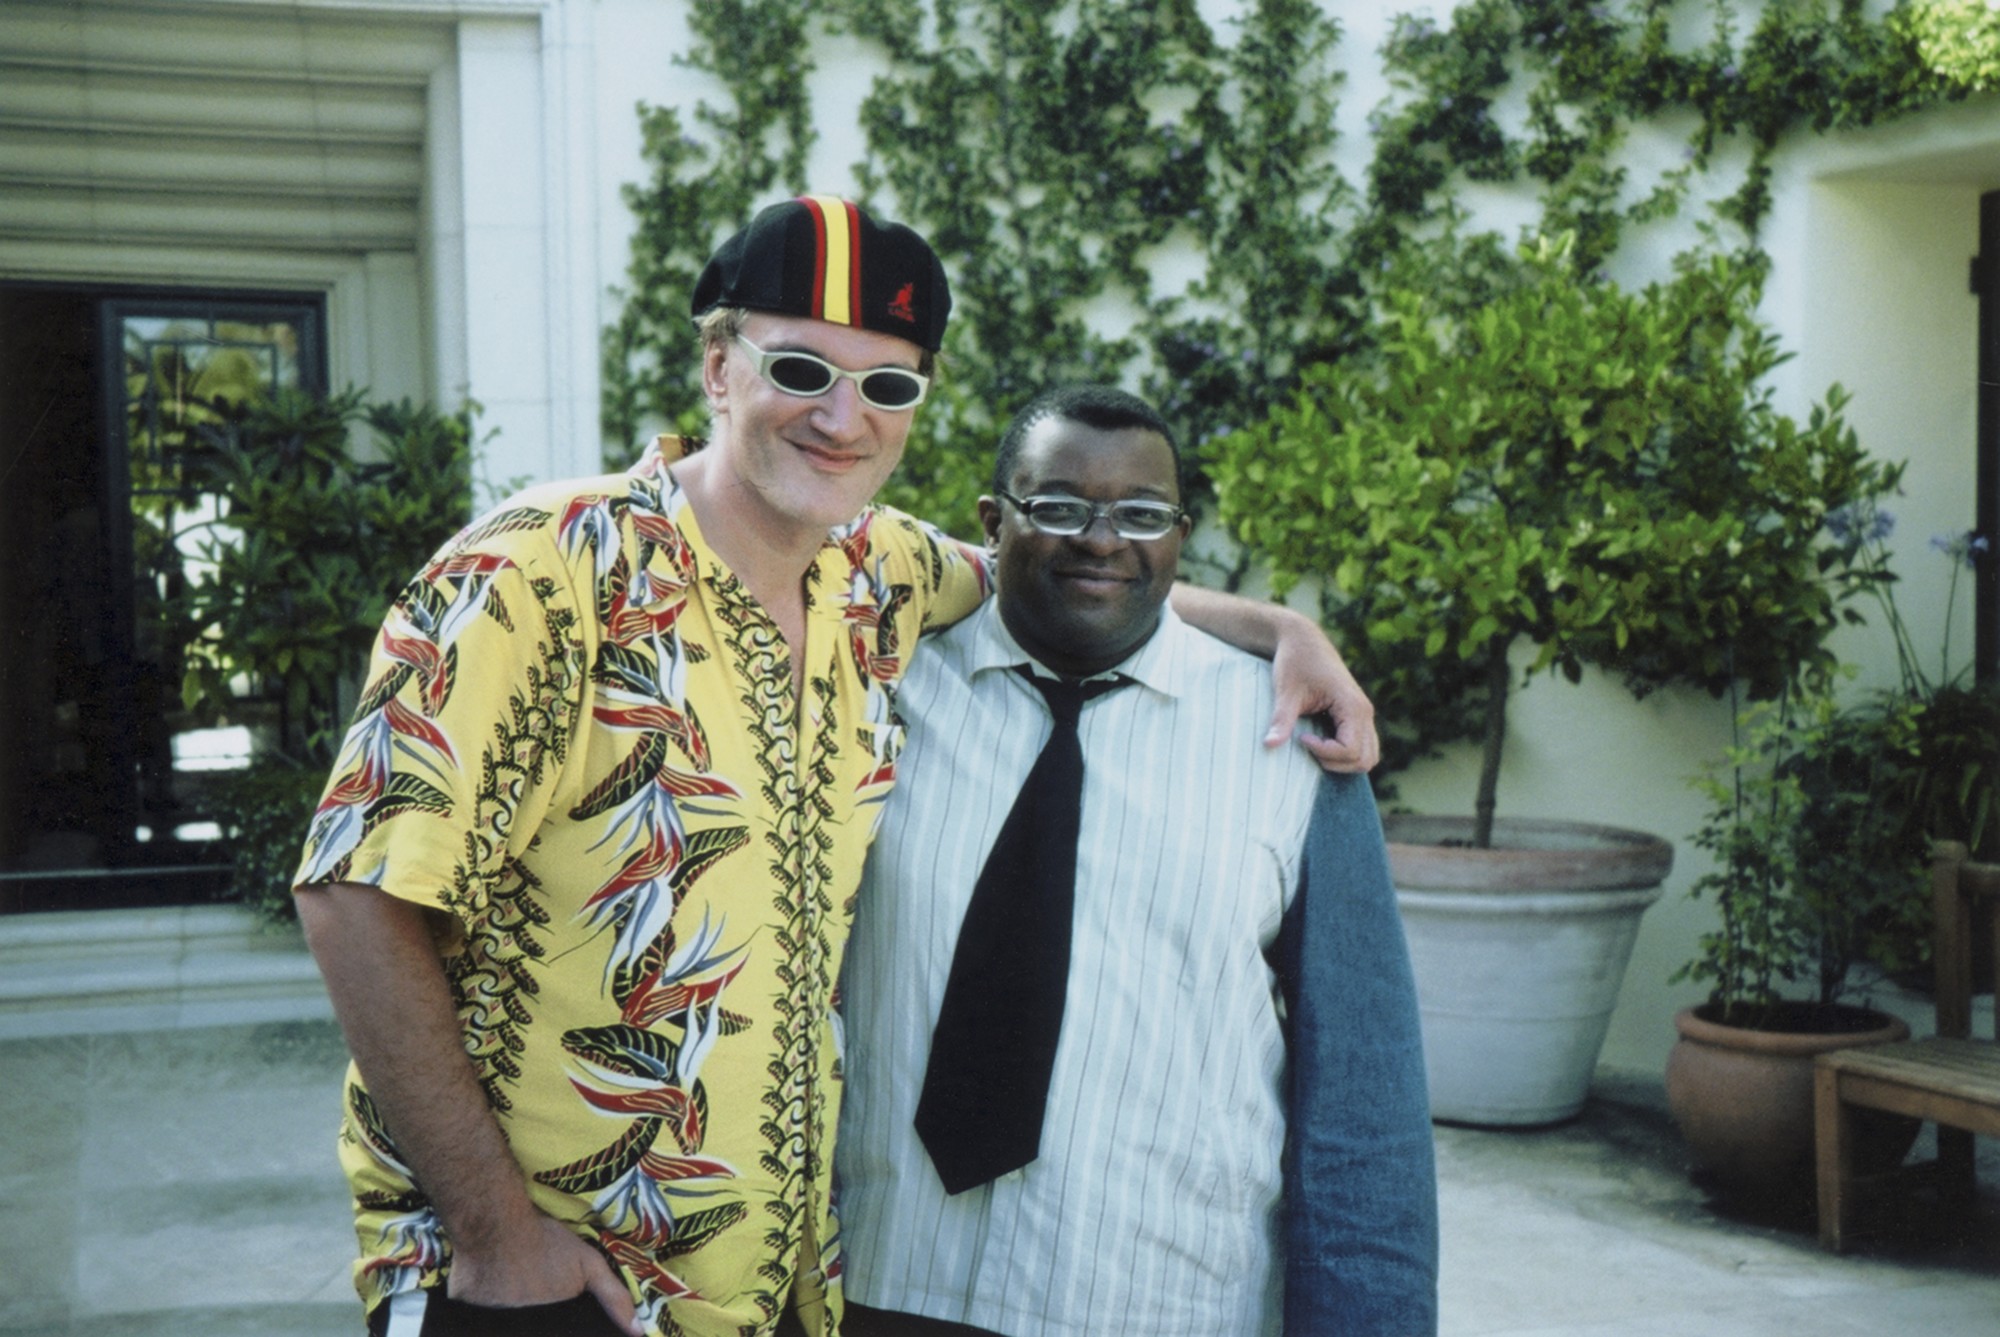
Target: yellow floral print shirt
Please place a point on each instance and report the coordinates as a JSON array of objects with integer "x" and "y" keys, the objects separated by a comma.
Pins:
[{"x": 579, "y": 740}]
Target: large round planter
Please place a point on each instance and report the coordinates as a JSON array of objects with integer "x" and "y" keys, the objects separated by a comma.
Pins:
[
  {"x": 1518, "y": 952},
  {"x": 1744, "y": 1102}
]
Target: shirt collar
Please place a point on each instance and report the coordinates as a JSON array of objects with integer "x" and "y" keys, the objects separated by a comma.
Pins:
[{"x": 1155, "y": 665}]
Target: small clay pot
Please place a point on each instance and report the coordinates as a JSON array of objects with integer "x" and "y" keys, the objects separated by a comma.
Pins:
[{"x": 1744, "y": 1102}]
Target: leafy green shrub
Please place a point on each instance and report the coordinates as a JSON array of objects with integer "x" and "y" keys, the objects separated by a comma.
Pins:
[
  {"x": 1818, "y": 880},
  {"x": 264, "y": 810},
  {"x": 1600, "y": 472},
  {"x": 288, "y": 581}
]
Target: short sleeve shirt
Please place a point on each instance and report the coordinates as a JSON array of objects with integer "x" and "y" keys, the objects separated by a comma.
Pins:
[{"x": 579, "y": 740}]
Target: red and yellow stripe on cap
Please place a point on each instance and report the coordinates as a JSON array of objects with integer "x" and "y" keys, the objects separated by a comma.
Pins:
[{"x": 837, "y": 260}]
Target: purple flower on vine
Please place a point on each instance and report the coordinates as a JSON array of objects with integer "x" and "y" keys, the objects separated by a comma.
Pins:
[
  {"x": 1852, "y": 524},
  {"x": 1967, "y": 547}
]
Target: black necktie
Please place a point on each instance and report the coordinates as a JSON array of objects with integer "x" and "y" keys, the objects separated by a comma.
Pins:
[{"x": 994, "y": 1046}]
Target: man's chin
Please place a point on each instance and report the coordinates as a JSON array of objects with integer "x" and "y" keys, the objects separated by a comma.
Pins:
[{"x": 1090, "y": 646}]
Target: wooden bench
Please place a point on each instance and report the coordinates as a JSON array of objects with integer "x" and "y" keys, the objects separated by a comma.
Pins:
[{"x": 1951, "y": 1079}]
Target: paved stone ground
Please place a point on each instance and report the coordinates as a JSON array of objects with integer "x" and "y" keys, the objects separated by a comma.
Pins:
[
  {"x": 1595, "y": 1228},
  {"x": 182, "y": 1184}
]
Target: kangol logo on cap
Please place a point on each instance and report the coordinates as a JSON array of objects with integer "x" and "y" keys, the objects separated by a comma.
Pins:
[{"x": 822, "y": 257}]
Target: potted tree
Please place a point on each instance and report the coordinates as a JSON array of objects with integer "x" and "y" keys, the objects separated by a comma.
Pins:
[{"x": 1534, "y": 458}]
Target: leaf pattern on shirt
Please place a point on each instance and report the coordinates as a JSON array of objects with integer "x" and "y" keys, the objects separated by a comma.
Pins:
[{"x": 485, "y": 741}]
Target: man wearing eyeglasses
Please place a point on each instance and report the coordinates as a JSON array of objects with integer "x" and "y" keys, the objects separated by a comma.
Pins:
[
  {"x": 581, "y": 881},
  {"x": 1222, "y": 1127}
]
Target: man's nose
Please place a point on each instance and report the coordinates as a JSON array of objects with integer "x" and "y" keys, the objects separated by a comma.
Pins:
[
  {"x": 839, "y": 415},
  {"x": 1101, "y": 536}
]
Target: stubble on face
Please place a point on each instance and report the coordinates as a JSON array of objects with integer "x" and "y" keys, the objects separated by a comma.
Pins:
[{"x": 797, "y": 467}]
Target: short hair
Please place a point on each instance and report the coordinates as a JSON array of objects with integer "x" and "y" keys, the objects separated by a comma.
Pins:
[
  {"x": 719, "y": 325},
  {"x": 1104, "y": 407}
]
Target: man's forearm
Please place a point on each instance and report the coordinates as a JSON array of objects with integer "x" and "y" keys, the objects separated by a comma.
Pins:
[
  {"x": 395, "y": 1008},
  {"x": 1250, "y": 625}
]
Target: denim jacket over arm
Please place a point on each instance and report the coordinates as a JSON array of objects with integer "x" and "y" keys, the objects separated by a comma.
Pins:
[{"x": 1361, "y": 1217}]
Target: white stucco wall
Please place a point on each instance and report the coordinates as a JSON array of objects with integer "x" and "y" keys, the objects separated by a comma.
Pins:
[
  {"x": 1870, "y": 237},
  {"x": 531, "y": 132}
]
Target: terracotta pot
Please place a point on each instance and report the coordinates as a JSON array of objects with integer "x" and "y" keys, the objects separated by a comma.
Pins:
[
  {"x": 1518, "y": 952},
  {"x": 1744, "y": 1102}
]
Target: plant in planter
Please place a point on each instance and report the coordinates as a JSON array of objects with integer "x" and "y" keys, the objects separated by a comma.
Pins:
[
  {"x": 1813, "y": 870},
  {"x": 293, "y": 578},
  {"x": 1814, "y": 880},
  {"x": 1541, "y": 457},
  {"x": 1948, "y": 785},
  {"x": 1820, "y": 824}
]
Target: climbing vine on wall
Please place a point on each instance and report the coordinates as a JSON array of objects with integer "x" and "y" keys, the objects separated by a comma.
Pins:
[
  {"x": 1054, "y": 157},
  {"x": 1052, "y": 154},
  {"x": 1124, "y": 191},
  {"x": 1588, "y": 72},
  {"x": 1055, "y": 152},
  {"x": 708, "y": 177}
]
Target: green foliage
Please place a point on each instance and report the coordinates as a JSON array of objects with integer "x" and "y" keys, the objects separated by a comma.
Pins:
[
  {"x": 1954, "y": 794},
  {"x": 1048, "y": 152},
  {"x": 1597, "y": 471},
  {"x": 1823, "y": 818},
  {"x": 266, "y": 809},
  {"x": 1955, "y": 45},
  {"x": 309, "y": 548},
  {"x": 1954, "y": 791},
  {"x": 287, "y": 583},
  {"x": 707, "y": 180},
  {"x": 1818, "y": 880},
  {"x": 1588, "y": 71}
]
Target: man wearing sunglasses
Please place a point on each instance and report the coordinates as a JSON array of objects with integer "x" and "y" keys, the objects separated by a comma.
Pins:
[
  {"x": 1208, "y": 1114},
  {"x": 581, "y": 882}
]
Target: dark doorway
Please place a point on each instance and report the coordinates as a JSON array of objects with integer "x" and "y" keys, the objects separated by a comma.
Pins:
[{"x": 102, "y": 397}]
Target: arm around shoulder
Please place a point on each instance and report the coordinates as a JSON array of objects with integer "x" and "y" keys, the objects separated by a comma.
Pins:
[{"x": 1307, "y": 672}]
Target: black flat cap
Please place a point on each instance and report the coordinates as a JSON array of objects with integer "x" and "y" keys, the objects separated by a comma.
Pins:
[{"x": 820, "y": 256}]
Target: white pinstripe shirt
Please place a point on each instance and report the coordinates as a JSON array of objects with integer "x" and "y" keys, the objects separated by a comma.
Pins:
[{"x": 1152, "y": 1208}]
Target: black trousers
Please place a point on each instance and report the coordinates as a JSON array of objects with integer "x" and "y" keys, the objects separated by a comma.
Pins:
[
  {"x": 443, "y": 1316},
  {"x": 865, "y": 1322},
  {"x": 582, "y": 1316}
]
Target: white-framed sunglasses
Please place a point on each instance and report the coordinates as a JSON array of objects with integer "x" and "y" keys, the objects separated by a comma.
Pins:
[
  {"x": 1066, "y": 517},
  {"x": 809, "y": 377}
]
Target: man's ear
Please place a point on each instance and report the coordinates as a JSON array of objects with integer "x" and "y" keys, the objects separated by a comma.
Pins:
[
  {"x": 714, "y": 377},
  {"x": 989, "y": 520}
]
